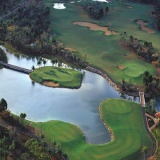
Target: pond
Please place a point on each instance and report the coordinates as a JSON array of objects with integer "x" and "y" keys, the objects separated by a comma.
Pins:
[{"x": 41, "y": 103}]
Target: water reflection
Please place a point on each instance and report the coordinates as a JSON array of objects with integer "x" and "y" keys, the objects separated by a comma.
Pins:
[{"x": 40, "y": 103}]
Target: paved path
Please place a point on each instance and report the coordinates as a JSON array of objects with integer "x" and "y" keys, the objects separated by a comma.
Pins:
[
  {"x": 156, "y": 121},
  {"x": 142, "y": 99}
]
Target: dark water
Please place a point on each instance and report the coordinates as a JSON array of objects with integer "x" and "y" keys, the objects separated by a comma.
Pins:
[{"x": 40, "y": 103}]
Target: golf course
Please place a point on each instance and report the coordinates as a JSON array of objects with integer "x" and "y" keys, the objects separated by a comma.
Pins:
[
  {"x": 124, "y": 118},
  {"x": 99, "y": 42},
  {"x": 57, "y": 77},
  {"x": 72, "y": 27},
  {"x": 119, "y": 54}
]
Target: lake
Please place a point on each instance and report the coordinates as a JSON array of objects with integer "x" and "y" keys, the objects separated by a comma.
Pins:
[{"x": 41, "y": 103}]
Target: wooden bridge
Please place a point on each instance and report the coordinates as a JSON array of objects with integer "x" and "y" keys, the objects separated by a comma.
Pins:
[
  {"x": 142, "y": 99},
  {"x": 15, "y": 68}
]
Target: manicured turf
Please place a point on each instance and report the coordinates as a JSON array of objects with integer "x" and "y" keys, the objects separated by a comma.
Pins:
[
  {"x": 103, "y": 51},
  {"x": 64, "y": 77},
  {"x": 125, "y": 120}
]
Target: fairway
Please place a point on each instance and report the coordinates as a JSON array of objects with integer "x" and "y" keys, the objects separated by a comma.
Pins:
[
  {"x": 101, "y": 51},
  {"x": 125, "y": 120},
  {"x": 57, "y": 77}
]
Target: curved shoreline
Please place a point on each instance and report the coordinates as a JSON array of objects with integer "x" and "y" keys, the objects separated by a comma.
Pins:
[
  {"x": 105, "y": 76},
  {"x": 105, "y": 123}
]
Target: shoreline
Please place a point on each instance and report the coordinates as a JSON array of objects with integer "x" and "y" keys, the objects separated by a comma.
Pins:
[
  {"x": 105, "y": 123},
  {"x": 105, "y": 76}
]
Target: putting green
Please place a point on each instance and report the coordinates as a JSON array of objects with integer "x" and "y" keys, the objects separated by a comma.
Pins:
[
  {"x": 57, "y": 77},
  {"x": 134, "y": 71}
]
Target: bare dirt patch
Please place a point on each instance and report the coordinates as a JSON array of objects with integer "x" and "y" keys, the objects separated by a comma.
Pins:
[
  {"x": 95, "y": 27},
  {"x": 121, "y": 67},
  {"x": 143, "y": 27},
  {"x": 70, "y": 49},
  {"x": 50, "y": 84}
]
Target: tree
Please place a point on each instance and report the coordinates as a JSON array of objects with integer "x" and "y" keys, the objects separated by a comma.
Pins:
[
  {"x": 107, "y": 9},
  {"x": 39, "y": 62},
  {"x": 144, "y": 151},
  {"x": 53, "y": 61},
  {"x": 22, "y": 117},
  {"x": 3, "y": 105},
  {"x": 44, "y": 62},
  {"x": 33, "y": 68}
]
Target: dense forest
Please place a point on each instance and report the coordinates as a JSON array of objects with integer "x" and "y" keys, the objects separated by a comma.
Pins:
[
  {"x": 94, "y": 9},
  {"x": 18, "y": 140},
  {"x": 26, "y": 26}
]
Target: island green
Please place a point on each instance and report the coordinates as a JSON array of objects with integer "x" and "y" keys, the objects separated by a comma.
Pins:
[{"x": 57, "y": 77}]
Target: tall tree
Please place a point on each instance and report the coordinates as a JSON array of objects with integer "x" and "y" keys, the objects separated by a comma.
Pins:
[{"x": 3, "y": 105}]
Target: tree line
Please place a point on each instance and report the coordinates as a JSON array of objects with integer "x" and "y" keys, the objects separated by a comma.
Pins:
[
  {"x": 147, "y": 52},
  {"x": 95, "y": 10},
  {"x": 142, "y": 48},
  {"x": 26, "y": 26},
  {"x": 18, "y": 142}
]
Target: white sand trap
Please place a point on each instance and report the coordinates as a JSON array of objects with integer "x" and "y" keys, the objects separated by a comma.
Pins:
[
  {"x": 128, "y": 6},
  {"x": 95, "y": 27},
  {"x": 59, "y": 6},
  {"x": 102, "y": 1}
]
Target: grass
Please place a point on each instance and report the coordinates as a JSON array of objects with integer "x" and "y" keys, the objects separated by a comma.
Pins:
[
  {"x": 122, "y": 116},
  {"x": 105, "y": 52},
  {"x": 64, "y": 77}
]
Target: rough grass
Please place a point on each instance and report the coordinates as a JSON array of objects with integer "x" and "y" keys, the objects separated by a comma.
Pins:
[
  {"x": 103, "y": 51},
  {"x": 64, "y": 77},
  {"x": 125, "y": 120}
]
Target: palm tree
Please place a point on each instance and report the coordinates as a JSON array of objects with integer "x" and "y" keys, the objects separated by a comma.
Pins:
[
  {"x": 3, "y": 105},
  {"x": 65, "y": 156},
  {"x": 54, "y": 146},
  {"x": 33, "y": 68},
  {"x": 144, "y": 151},
  {"x": 39, "y": 63},
  {"x": 53, "y": 61},
  {"x": 44, "y": 62}
]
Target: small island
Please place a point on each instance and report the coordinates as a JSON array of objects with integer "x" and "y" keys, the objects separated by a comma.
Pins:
[{"x": 57, "y": 77}]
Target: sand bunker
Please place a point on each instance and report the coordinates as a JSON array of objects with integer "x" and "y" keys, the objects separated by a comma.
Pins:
[
  {"x": 70, "y": 49},
  {"x": 95, "y": 27},
  {"x": 143, "y": 27},
  {"x": 128, "y": 6},
  {"x": 121, "y": 67},
  {"x": 59, "y": 6},
  {"x": 101, "y": 1},
  {"x": 50, "y": 84}
]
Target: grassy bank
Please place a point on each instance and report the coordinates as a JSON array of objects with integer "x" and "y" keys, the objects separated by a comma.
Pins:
[
  {"x": 125, "y": 120},
  {"x": 105, "y": 52},
  {"x": 57, "y": 77}
]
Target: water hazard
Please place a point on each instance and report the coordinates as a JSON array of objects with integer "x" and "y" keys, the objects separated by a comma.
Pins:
[{"x": 40, "y": 103}]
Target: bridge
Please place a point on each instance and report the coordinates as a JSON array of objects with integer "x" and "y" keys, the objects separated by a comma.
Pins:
[
  {"x": 142, "y": 99},
  {"x": 15, "y": 68}
]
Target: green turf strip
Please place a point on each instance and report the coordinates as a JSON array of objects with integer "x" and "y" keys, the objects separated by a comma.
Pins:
[
  {"x": 63, "y": 76},
  {"x": 122, "y": 116}
]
